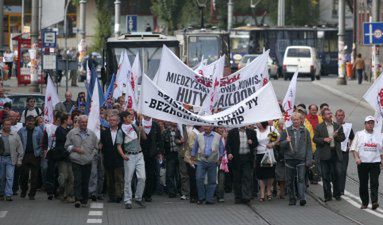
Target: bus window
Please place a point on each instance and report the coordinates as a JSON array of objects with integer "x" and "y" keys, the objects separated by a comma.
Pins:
[
  {"x": 240, "y": 44},
  {"x": 207, "y": 47},
  {"x": 299, "y": 52}
]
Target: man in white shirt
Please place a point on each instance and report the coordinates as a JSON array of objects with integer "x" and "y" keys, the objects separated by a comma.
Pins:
[{"x": 345, "y": 146}]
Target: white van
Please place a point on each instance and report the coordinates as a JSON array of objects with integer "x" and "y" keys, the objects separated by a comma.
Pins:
[{"x": 303, "y": 58}]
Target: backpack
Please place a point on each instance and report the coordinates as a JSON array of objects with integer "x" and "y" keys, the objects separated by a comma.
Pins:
[{"x": 26, "y": 110}]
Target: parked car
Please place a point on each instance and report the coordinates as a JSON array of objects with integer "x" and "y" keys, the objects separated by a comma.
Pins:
[
  {"x": 271, "y": 63},
  {"x": 302, "y": 58},
  {"x": 19, "y": 101}
]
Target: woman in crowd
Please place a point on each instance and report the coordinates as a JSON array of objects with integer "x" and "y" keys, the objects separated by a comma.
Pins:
[
  {"x": 280, "y": 169},
  {"x": 368, "y": 154},
  {"x": 265, "y": 174}
]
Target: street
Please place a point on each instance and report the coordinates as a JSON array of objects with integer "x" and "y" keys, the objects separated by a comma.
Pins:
[{"x": 174, "y": 211}]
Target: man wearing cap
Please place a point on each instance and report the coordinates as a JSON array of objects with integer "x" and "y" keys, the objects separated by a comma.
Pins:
[
  {"x": 368, "y": 154},
  {"x": 128, "y": 145},
  {"x": 30, "y": 136},
  {"x": 328, "y": 138}
]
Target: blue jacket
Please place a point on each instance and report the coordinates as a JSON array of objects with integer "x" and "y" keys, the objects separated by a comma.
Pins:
[{"x": 37, "y": 139}]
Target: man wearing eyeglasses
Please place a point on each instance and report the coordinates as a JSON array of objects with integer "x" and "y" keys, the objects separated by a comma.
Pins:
[{"x": 30, "y": 110}]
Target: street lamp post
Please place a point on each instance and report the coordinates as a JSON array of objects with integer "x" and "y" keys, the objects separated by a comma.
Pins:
[
  {"x": 66, "y": 44},
  {"x": 341, "y": 46},
  {"x": 34, "y": 45},
  {"x": 117, "y": 10}
]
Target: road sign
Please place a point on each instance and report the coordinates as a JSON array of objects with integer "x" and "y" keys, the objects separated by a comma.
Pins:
[
  {"x": 72, "y": 64},
  {"x": 49, "y": 39},
  {"x": 373, "y": 33},
  {"x": 131, "y": 23},
  {"x": 49, "y": 62}
]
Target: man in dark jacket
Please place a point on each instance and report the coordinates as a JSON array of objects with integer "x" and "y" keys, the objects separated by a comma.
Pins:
[
  {"x": 113, "y": 162},
  {"x": 328, "y": 138},
  {"x": 151, "y": 147},
  {"x": 240, "y": 148}
]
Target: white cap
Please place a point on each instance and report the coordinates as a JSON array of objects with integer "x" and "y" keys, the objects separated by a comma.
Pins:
[{"x": 369, "y": 118}]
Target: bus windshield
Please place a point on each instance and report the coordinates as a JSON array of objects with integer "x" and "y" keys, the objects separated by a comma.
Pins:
[
  {"x": 206, "y": 47},
  {"x": 239, "y": 44}
]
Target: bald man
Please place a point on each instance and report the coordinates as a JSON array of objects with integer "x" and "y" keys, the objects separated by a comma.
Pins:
[{"x": 66, "y": 106}]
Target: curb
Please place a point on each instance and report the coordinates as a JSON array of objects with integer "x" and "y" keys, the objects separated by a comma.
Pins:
[{"x": 348, "y": 97}]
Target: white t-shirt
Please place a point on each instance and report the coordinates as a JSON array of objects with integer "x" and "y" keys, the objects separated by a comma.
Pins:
[
  {"x": 8, "y": 57},
  {"x": 263, "y": 139},
  {"x": 347, "y": 130},
  {"x": 16, "y": 128},
  {"x": 369, "y": 146}
]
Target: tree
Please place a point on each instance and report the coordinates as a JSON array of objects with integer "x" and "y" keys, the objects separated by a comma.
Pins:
[
  {"x": 169, "y": 11},
  {"x": 104, "y": 24}
]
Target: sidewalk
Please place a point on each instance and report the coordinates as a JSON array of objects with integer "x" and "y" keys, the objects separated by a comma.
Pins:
[{"x": 352, "y": 91}]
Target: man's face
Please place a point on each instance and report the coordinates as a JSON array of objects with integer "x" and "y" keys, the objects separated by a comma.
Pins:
[
  {"x": 113, "y": 121},
  {"x": 68, "y": 96},
  {"x": 30, "y": 123},
  {"x": 128, "y": 119},
  {"x": 207, "y": 129},
  {"x": 327, "y": 115},
  {"x": 83, "y": 123},
  {"x": 296, "y": 121},
  {"x": 31, "y": 102},
  {"x": 7, "y": 126},
  {"x": 369, "y": 125},
  {"x": 340, "y": 117},
  {"x": 313, "y": 110}
]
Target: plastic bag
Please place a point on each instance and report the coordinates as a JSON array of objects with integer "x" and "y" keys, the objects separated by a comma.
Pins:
[{"x": 268, "y": 159}]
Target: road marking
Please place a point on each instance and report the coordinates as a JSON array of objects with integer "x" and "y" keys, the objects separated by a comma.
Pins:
[
  {"x": 94, "y": 221},
  {"x": 95, "y": 213},
  {"x": 356, "y": 204},
  {"x": 3, "y": 214},
  {"x": 95, "y": 205},
  {"x": 357, "y": 199}
]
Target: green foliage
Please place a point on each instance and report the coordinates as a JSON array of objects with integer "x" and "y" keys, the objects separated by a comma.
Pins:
[
  {"x": 169, "y": 11},
  {"x": 298, "y": 12},
  {"x": 104, "y": 24}
]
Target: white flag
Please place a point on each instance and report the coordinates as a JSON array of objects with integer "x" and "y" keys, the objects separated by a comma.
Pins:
[
  {"x": 52, "y": 12},
  {"x": 374, "y": 97},
  {"x": 260, "y": 106},
  {"x": 131, "y": 98},
  {"x": 123, "y": 71},
  {"x": 289, "y": 100},
  {"x": 88, "y": 73},
  {"x": 94, "y": 112},
  {"x": 51, "y": 99}
]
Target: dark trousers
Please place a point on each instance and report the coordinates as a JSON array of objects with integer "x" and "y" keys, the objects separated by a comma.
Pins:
[
  {"x": 115, "y": 182},
  {"x": 192, "y": 181},
  {"x": 229, "y": 179},
  {"x": 172, "y": 174},
  {"x": 242, "y": 177},
  {"x": 16, "y": 180},
  {"x": 30, "y": 164},
  {"x": 368, "y": 171},
  {"x": 295, "y": 169},
  {"x": 331, "y": 173},
  {"x": 81, "y": 174},
  {"x": 10, "y": 65},
  {"x": 343, "y": 174},
  {"x": 255, "y": 184},
  {"x": 360, "y": 76},
  {"x": 51, "y": 183},
  {"x": 150, "y": 182}
]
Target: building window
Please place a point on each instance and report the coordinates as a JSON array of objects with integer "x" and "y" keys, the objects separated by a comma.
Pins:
[{"x": 335, "y": 8}]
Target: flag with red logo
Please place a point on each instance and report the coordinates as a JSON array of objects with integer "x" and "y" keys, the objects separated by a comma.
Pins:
[
  {"x": 131, "y": 98},
  {"x": 94, "y": 112},
  {"x": 289, "y": 100},
  {"x": 123, "y": 71},
  {"x": 51, "y": 99},
  {"x": 374, "y": 97}
]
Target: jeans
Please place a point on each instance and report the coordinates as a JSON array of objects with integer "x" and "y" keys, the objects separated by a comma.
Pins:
[
  {"x": 65, "y": 179},
  {"x": 203, "y": 168},
  {"x": 30, "y": 164},
  {"x": 295, "y": 168},
  {"x": 172, "y": 167},
  {"x": 242, "y": 177},
  {"x": 343, "y": 174},
  {"x": 81, "y": 174},
  {"x": 366, "y": 171},
  {"x": 359, "y": 72},
  {"x": 6, "y": 176},
  {"x": 96, "y": 181},
  {"x": 331, "y": 173},
  {"x": 136, "y": 164},
  {"x": 184, "y": 177}
]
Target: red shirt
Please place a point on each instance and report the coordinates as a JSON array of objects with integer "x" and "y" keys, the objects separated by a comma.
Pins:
[{"x": 313, "y": 119}]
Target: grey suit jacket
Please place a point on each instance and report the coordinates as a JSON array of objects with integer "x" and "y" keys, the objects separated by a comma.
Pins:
[{"x": 323, "y": 148}]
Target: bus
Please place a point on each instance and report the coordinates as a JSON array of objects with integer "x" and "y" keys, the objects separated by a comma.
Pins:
[
  {"x": 208, "y": 44},
  {"x": 254, "y": 40},
  {"x": 148, "y": 45}
]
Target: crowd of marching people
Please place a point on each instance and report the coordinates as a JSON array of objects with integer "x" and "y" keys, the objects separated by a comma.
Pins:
[{"x": 137, "y": 156}]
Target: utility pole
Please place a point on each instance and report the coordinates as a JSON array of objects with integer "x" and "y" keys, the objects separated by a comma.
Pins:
[
  {"x": 375, "y": 48},
  {"x": 34, "y": 45},
  {"x": 82, "y": 18},
  {"x": 117, "y": 12},
  {"x": 1, "y": 23},
  {"x": 281, "y": 13},
  {"x": 341, "y": 47},
  {"x": 66, "y": 44},
  {"x": 229, "y": 15}
]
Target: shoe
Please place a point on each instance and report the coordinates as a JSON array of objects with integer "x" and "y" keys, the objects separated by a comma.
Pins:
[
  {"x": 8, "y": 199},
  {"x": 302, "y": 202},
  {"x": 128, "y": 206},
  {"x": 292, "y": 202},
  {"x": 50, "y": 197},
  {"x": 69, "y": 200},
  {"x": 23, "y": 194},
  {"x": 172, "y": 196},
  {"x": 221, "y": 200},
  {"x": 140, "y": 204},
  {"x": 193, "y": 200},
  {"x": 31, "y": 197},
  {"x": 200, "y": 202},
  {"x": 84, "y": 205},
  {"x": 77, "y": 204},
  {"x": 327, "y": 199},
  {"x": 338, "y": 198},
  {"x": 209, "y": 203},
  {"x": 375, "y": 206},
  {"x": 183, "y": 197},
  {"x": 246, "y": 201},
  {"x": 148, "y": 199},
  {"x": 118, "y": 200},
  {"x": 93, "y": 197},
  {"x": 15, "y": 193},
  {"x": 269, "y": 197},
  {"x": 363, "y": 207},
  {"x": 237, "y": 201}
]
